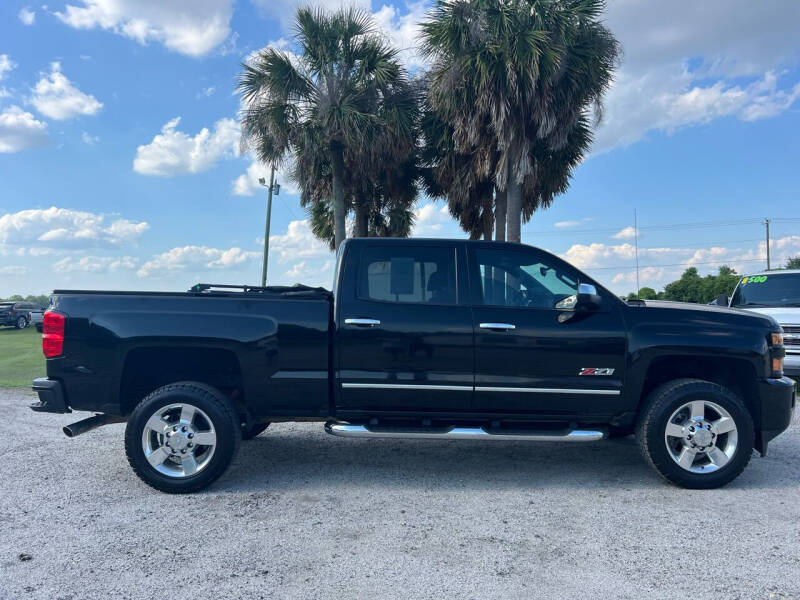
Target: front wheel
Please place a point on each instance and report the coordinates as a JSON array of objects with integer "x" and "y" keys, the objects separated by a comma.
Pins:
[
  {"x": 182, "y": 437},
  {"x": 695, "y": 433}
]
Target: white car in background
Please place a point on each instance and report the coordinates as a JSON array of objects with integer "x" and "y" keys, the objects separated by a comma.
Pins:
[{"x": 777, "y": 294}]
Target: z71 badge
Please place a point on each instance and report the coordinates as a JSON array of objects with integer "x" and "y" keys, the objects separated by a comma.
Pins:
[{"x": 595, "y": 371}]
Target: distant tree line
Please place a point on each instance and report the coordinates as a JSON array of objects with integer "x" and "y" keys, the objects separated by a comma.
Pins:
[
  {"x": 691, "y": 287},
  {"x": 42, "y": 299}
]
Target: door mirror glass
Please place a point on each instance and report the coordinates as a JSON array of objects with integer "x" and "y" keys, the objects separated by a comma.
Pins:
[{"x": 587, "y": 298}]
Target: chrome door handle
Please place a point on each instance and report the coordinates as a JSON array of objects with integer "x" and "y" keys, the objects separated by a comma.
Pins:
[
  {"x": 500, "y": 326},
  {"x": 362, "y": 322}
]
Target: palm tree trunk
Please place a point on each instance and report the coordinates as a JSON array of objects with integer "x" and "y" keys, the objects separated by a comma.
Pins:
[
  {"x": 500, "y": 215},
  {"x": 514, "y": 214},
  {"x": 488, "y": 216},
  {"x": 362, "y": 215},
  {"x": 337, "y": 166}
]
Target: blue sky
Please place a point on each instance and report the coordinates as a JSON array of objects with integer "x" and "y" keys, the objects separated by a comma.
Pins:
[{"x": 120, "y": 163}]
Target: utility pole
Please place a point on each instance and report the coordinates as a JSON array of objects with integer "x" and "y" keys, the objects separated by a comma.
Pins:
[
  {"x": 766, "y": 223},
  {"x": 269, "y": 215},
  {"x": 636, "y": 242}
]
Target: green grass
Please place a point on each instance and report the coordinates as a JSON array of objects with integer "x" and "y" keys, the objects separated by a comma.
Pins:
[{"x": 21, "y": 358}]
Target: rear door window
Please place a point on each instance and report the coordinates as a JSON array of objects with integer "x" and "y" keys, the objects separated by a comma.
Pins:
[{"x": 420, "y": 275}]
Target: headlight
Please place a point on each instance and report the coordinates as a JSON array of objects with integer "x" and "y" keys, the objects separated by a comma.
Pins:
[{"x": 777, "y": 339}]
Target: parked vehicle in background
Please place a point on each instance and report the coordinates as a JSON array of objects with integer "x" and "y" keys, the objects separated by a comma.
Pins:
[
  {"x": 422, "y": 339},
  {"x": 16, "y": 314},
  {"x": 776, "y": 294},
  {"x": 35, "y": 318}
]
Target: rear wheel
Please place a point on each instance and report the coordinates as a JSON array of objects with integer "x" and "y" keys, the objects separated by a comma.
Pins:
[
  {"x": 22, "y": 323},
  {"x": 182, "y": 437},
  {"x": 695, "y": 433}
]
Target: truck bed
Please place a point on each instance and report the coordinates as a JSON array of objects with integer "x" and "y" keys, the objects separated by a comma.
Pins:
[{"x": 272, "y": 342}]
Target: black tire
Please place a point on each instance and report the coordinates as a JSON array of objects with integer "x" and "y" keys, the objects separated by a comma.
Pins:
[
  {"x": 659, "y": 407},
  {"x": 222, "y": 415},
  {"x": 21, "y": 323},
  {"x": 248, "y": 433},
  {"x": 39, "y": 327}
]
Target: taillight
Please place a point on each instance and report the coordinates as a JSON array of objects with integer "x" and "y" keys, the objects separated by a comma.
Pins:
[{"x": 53, "y": 334}]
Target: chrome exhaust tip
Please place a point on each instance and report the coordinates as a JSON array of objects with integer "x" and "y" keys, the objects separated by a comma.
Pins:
[{"x": 85, "y": 425}]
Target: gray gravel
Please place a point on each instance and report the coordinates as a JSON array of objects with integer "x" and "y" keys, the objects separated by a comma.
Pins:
[{"x": 305, "y": 515}]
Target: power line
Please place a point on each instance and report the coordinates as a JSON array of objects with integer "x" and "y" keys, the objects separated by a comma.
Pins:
[
  {"x": 667, "y": 227},
  {"x": 685, "y": 264}
]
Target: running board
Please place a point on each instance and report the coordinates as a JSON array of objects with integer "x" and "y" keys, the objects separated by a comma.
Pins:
[{"x": 465, "y": 433}]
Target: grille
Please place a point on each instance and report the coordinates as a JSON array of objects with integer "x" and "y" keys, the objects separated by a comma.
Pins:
[{"x": 791, "y": 336}]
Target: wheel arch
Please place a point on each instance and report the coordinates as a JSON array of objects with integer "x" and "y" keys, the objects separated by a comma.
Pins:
[
  {"x": 738, "y": 375},
  {"x": 147, "y": 368}
]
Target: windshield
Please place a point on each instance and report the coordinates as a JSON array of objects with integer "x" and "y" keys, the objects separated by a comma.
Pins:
[{"x": 768, "y": 290}]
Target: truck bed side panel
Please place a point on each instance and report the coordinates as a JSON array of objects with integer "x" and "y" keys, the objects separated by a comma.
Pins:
[{"x": 281, "y": 345}]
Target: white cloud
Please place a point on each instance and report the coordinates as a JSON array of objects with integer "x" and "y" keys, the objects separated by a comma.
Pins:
[
  {"x": 308, "y": 274},
  {"x": 285, "y": 10},
  {"x": 198, "y": 258},
  {"x": 687, "y": 63},
  {"x": 627, "y": 233},
  {"x": 13, "y": 270},
  {"x": 403, "y": 29},
  {"x": 95, "y": 264},
  {"x": 173, "y": 152},
  {"x": 26, "y": 16},
  {"x": 192, "y": 27},
  {"x": 64, "y": 228},
  {"x": 429, "y": 220},
  {"x": 206, "y": 92},
  {"x": 56, "y": 97},
  {"x": 247, "y": 183},
  {"x": 646, "y": 275},
  {"x": 298, "y": 242},
  {"x": 88, "y": 139},
  {"x": 6, "y": 65},
  {"x": 19, "y": 130},
  {"x": 566, "y": 224},
  {"x": 660, "y": 265}
]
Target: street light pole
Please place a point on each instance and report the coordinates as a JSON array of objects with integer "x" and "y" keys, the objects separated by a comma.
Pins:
[{"x": 266, "y": 229}]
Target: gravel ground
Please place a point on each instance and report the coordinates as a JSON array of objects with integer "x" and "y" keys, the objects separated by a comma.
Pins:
[{"x": 305, "y": 515}]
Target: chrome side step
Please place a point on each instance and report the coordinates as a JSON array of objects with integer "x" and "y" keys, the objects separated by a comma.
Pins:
[{"x": 464, "y": 433}]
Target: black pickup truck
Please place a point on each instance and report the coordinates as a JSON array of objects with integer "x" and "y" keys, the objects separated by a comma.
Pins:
[{"x": 442, "y": 339}]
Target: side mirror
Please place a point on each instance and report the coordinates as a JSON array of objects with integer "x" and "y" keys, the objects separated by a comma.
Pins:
[
  {"x": 587, "y": 296},
  {"x": 585, "y": 300},
  {"x": 722, "y": 300}
]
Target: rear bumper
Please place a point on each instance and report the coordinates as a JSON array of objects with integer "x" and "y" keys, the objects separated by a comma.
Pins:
[
  {"x": 51, "y": 396},
  {"x": 777, "y": 399}
]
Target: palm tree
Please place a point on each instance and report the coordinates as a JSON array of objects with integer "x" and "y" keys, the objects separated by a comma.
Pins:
[
  {"x": 460, "y": 177},
  {"x": 327, "y": 97},
  {"x": 525, "y": 72}
]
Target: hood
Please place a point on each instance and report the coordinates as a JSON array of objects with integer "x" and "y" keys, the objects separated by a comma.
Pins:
[
  {"x": 704, "y": 311},
  {"x": 785, "y": 315}
]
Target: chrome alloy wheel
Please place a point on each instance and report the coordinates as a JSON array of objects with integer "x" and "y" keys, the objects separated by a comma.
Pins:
[
  {"x": 701, "y": 436},
  {"x": 179, "y": 440}
]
